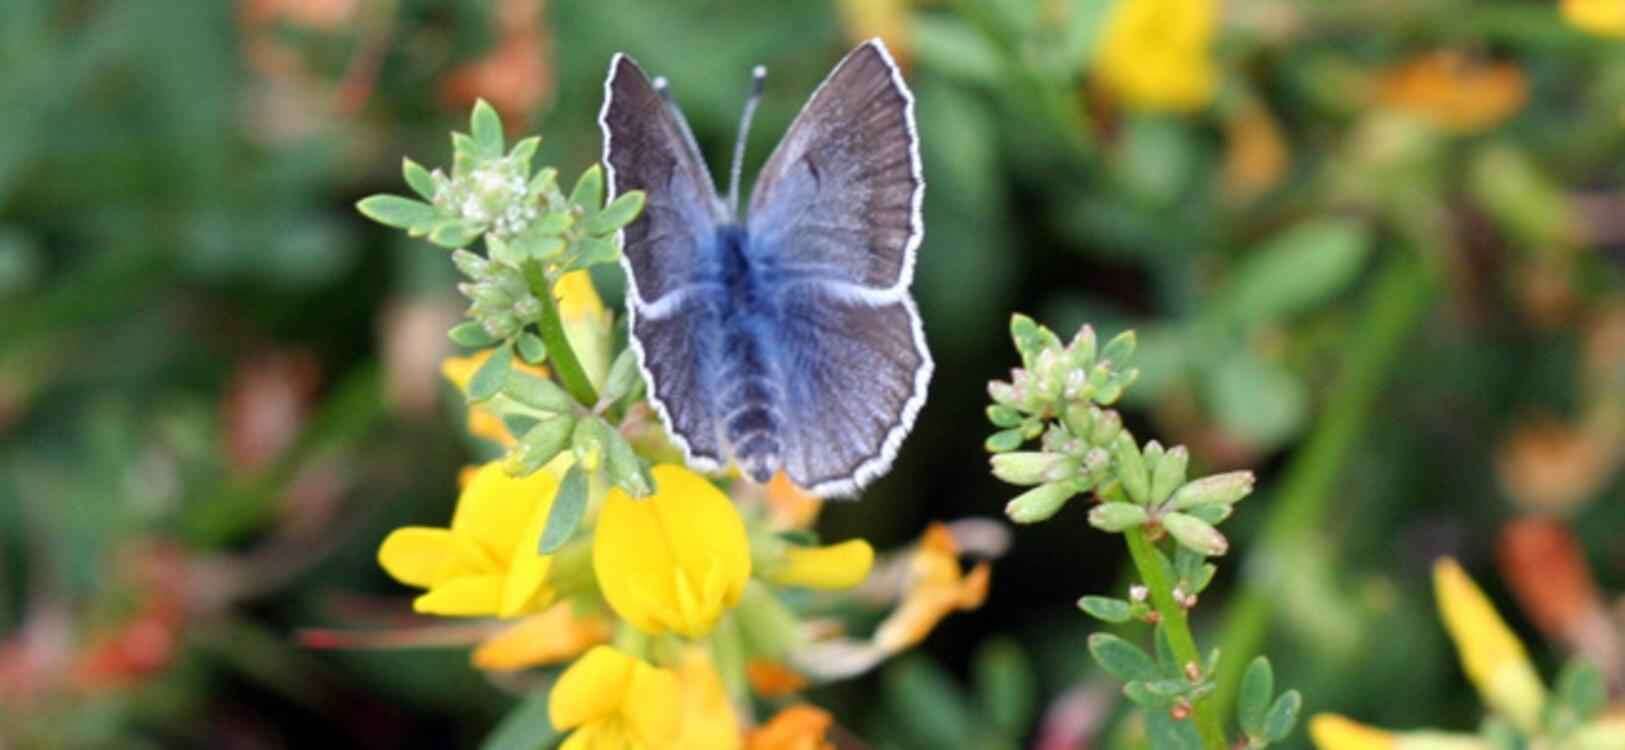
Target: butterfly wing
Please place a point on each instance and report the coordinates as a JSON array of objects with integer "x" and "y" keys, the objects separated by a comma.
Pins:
[
  {"x": 669, "y": 254},
  {"x": 836, "y": 215}
]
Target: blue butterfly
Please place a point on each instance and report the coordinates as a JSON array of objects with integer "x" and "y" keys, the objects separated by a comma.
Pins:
[{"x": 786, "y": 341}]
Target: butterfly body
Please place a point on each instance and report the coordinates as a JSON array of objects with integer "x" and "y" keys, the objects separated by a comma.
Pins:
[{"x": 786, "y": 341}]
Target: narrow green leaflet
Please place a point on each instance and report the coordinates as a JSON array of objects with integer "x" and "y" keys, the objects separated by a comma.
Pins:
[
  {"x": 1282, "y": 716},
  {"x": 1106, "y": 608},
  {"x": 492, "y": 376},
  {"x": 486, "y": 128},
  {"x": 1257, "y": 687},
  {"x": 531, "y": 348},
  {"x": 398, "y": 212},
  {"x": 420, "y": 179},
  {"x": 1122, "y": 659},
  {"x": 568, "y": 509},
  {"x": 589, "y": 191},
  {"x": 618, "y": 214},
  {"x": 471, "y": 334},
  {"x": 526, "y": 727}
]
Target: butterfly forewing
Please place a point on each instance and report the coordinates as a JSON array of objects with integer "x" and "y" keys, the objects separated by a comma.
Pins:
[{"x": 667, "y": 254}]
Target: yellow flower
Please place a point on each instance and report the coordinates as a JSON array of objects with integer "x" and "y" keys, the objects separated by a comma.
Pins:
[
  {"x": 708, "y": 722},
  {"x": 613, "y": 701},
  {"x": 1492, "y": 656},
  {"x": 1454, "y": 92},
  {"x": 675, "y": 561},
  {"x": 1334, "y": 732},
  {"x": 838, "y": 566},
  {"x": 587, "y": 323},
  {"x": 789, "y": 506},
  {"x": 1604, "y": 17},
  {"x": 799, "y": 727},
  {"x": 772, "y": 679},
  {"x": 937, "y": 586},
  {"x": 486, "y": 563},
  {"x": 556, "y": 635},
  {"x": 1157, "y": 53},
  {"x": 482, "y": 422}
]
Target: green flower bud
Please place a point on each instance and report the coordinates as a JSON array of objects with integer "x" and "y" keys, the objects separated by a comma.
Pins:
[
  {"x": 1222, "y": 489},
  {"x": 623, "y": 375},
  {"x": 470, "y": 264},
  {"x": 588, "y": 442},
  {"x": 1039, "y": 503},
  {"x": 624, "y": 467},
  {"x": 1106, "y": 424},
  {"x": 1131, "y": 469},
  {"x": 1006, "y": 440},
  {"x": 1195, "y": 534},
  {"x": 1004, "y": 416},
  {"x": 1169, "y": 473},
  {"x": 1115, "y": 517},
  {"x": 1032, "y": 467},
  {"x": 1081, "y": 352}
]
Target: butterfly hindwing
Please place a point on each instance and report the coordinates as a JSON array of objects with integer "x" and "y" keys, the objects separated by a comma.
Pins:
[{"x": 668, "y": 254}]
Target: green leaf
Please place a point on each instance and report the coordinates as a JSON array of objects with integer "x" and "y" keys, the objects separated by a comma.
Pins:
[
  {"x": 396, "y": 211},
  {"x": 591, "y": 251},
  {"x": 1169, "y": 473},
  {"x": 538, "y": 393},
  {"x": 1121, "y": 659},
  {"x": 1005, "y": 440},
  {"x": 1195, "y": 534},
  {"x": 541, "y": 444},
  {"x": 526, "y": 727},
  {"x": 471, "y": 334},
  {"x": 623, "y": 375},
  {"x": 465, "y": 154},
  {"x": 1156, "y": 158},
  {"x": 454, "y": 233},
  {"x": 1253, "y": 702},
  {"x": 1282, "y": 716},
  {"x": 492, "y": 376},
  {"x": 523, "y": 151},
  {"x": 950, "y": 46},
  {"x": 1106, "y": 608},
  {"x": 531, "y": 348},
  {"x": 1031, "y": 338},
  {"x": 1115, "y": 517},
  {"x": 928, "y": 704},
  {"x": 486, "y": 127},
  {"x": 1167, "y": 733},
  {"x": 552, "y": 224},
  {"x": 1582, "y": 690},
  {"x": 1294, "y": 271},
  {"x": 569, "y": 507},
  {"x": 1131, "y": 468},
  {"x": 588, "y": 193},
  {"x": 1004, "y": 416},
  {"x": 1005, "y": 685},
  {"x": 619, "y": 213},
  {"x": 1257, "y": 401},
  {"x": 420, "y": 179},
  {"x": 544, "y": 182},
  {"x": 1119, "y": 350},
  {"x": 624, "y": 467}
]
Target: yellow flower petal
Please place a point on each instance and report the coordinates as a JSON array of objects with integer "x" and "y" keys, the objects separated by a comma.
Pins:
[
  {"x": 586, "y": 323},
  {"x": 495, "y": 509},
  {"x": 799, "y": 727},
  {"x": 675, "y": 561},
  {"x": 1157, "y": 53},
  {"x": 1454, "y": 92},
  {"x": 937, "y": 586},
  {"x": 526, "y": 588},
  {"x": 462, "y": 597},
  {"x": 553, "y": 636},
  {"x": 1492, "y": 656},
  {"x": 1604, "y": 17},
  {"x": 592, "y": 689},
  {"x": 424, "y": 557},
  {"x": 708, "y": 719},
  {"x": 1335, "y": 732},
  {"x": 652, "y": 708},
  {"x": 839, "y": 566}
]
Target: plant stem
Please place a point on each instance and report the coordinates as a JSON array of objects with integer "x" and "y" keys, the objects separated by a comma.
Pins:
[
  {"x": 1177, "y": 625},
  {"x": 1396, "y": 300},
  {"x": 559, "y": 354}
]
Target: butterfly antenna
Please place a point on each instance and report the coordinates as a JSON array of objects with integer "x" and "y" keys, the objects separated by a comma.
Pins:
[{"x": 758, "y": 75}]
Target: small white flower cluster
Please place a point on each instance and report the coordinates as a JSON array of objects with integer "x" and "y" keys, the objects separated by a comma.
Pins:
[{"x": 494, "y": 196}]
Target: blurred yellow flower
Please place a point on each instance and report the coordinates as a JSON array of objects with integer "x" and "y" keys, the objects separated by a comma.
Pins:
[
  {"x": 1604, "y": 17},
  {"x": 556, "y": 635},
  {"x": 798, "y": 727},
  {"x": 1454, "y": 92},
  {"x": 486, "y": 563},
  {"x": 773, "y": 679},
  {"x": 674, "y": 561},
  {"x": 1334, "y": 732},
  {"x": 936, "y": 586},
  {"x": 837, "y": 566},
  {"x": 1157, "y": 53},
  {"x": 1492, "y": 656},
  {"x": 612, "y": 700},
  {"x": 587, "y": 323},
  {"x": 708, "y": 719},
  {"x": 887, "y": 19}
]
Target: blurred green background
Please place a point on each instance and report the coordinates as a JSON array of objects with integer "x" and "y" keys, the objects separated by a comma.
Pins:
[{"x": 1382, "y": 264}]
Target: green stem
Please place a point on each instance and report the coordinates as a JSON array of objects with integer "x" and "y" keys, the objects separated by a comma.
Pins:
[
  {"x": 1397, "y": 300},
  {"x": 559, "y": 354},
  {"x": 1176, "y": 623}
]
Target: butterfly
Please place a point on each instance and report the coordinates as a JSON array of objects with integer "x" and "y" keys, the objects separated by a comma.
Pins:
[{"x": 785, "y": 339}]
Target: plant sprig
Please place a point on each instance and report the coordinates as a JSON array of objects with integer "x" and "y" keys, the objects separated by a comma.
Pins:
[
  {"x": 533, "y": 234},
  {"x": 1061, "y": 396}
]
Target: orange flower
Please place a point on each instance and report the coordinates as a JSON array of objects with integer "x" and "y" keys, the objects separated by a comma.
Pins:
[
  {"x": 1543, "y": 563},
  {"x": 936, "y": 586},
  {"x": 1454, "y": 92},
  {"x": 789, "y": 506},
  {"x": 1550, "y": 466},
  {"x": 771, "y": 679},
  {"x": 482, "y": 422},
  {"x": 556, "y": 635},
  {"x": 516, "y": 77},
  {"x": 799, "y": 727},
  {"x": 1257, "y": 156}
]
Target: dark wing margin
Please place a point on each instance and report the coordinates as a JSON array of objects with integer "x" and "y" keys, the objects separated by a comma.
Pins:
[
  {"x": 665, "y": 251},
  {"x": 842, "y": 193},
  {"x": 647, "y": 148},
  {"x": 856, "y": 371}
]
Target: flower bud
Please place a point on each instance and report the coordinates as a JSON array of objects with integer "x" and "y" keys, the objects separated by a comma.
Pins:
[
  {"x": 1222, "y": 489},
  {"x": 538, "y": 446},
  {"x": 1169, "y": 473},
  {"x": 588, "y": 442},
  {"x": 1106, "y": 425},
  {"x": 1131, "y": 469},
  {"x": 472, "y": 265},
  {"x": 1039, "y": 503},
  {"x": 1195, "y": 534},
  {"x": 1115, "y": 517},
  {"x": 1027, "y": 467},
  {"x": 624, "y": 467},
  {"x": 1081, "y": 352}
]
